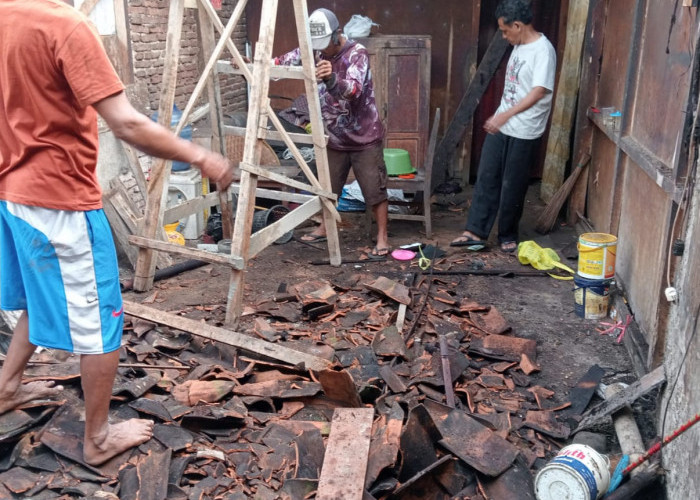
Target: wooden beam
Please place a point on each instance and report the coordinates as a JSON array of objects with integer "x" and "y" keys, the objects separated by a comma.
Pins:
[
  {"x": 190, "y": 253},
  {"x": 330, "y": 215},
  {"x": 229, "y": 337},
  {"x": 345, "y": 462},
  {"x": 160, "y": 173},
  {"x": 621, "y": 399},
  {"x": 288, "y": 72},
  {"x": 583, "y": 134},
  {"x": 558, "y": 146},
  {"x": 286, "y": 181},
  {"x": 266, "y": 236},
  {"x": 87, "y": 6},
  {"x": 252, "y": 151}
]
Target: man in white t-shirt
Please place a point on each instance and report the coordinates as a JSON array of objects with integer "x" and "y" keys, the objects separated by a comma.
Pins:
[{"x": 514, "y": 131}]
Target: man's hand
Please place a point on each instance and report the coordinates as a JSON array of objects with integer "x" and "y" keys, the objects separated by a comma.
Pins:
[
  {"x": 216, "y": 168},
  {"x": 494, "y": 124},
  {"x": 235, "y": 64},
  {"x": 324, "y": 70}
]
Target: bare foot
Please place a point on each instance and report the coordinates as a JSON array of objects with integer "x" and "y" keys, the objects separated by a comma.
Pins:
[
  {"x": 118, "y": 438},
  {"x": 28, "y": 392}
]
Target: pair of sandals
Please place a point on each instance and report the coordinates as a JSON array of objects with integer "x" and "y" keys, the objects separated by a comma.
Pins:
[{"x": 476, "y": 244}]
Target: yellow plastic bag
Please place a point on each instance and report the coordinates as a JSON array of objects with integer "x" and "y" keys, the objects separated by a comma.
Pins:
[
  {"x": 540, "y": 258},
  {"x": 173, "y": 235}
]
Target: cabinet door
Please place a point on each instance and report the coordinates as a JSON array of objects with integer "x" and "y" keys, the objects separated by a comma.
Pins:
[{"x": 401, "y": 72}]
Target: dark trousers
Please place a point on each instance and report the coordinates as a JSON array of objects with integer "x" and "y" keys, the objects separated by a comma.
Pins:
[{"x": 501, "y": 185}]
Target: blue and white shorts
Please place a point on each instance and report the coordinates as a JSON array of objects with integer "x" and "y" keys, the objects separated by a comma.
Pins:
[{"x": 61, "y": 266}]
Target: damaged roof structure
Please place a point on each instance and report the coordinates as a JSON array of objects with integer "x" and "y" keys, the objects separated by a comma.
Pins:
[{"x": 395, "y": 381}]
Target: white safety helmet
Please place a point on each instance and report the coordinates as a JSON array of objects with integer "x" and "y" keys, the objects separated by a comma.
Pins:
[{"x": 322, "y": 25}]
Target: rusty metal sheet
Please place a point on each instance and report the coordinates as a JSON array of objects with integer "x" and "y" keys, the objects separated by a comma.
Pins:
[
  {"x": 475, "y": 444},
  {"x": 392, "y": 289}
]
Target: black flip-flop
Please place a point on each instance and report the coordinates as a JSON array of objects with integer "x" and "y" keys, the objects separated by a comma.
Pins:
[
  {"x": 312, "y": 238},
  {"x": 375, "y": 255},
  {"x": 509, "y": 243},
  {"x": 468, "y": 242}
]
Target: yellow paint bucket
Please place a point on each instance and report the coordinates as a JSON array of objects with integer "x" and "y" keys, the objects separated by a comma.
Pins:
[{"x": 596, "y": 255}]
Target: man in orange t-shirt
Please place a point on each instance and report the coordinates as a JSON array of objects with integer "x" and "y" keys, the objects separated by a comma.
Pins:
[{"x": 57, "y": 259}]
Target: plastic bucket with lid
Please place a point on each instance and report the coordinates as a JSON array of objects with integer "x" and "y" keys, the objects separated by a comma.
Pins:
[
  {"x": 596, "y": 255},
  {"x": 591, "y": 297},
  {"x": 578, "y": 472},
  {"x": 264, "y": 218}
]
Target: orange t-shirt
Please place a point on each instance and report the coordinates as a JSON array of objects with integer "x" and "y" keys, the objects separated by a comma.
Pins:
[{"x": 52, "y": 68}]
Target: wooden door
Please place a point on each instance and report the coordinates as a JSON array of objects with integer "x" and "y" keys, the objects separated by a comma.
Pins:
[{"x": 400, "y": 66}]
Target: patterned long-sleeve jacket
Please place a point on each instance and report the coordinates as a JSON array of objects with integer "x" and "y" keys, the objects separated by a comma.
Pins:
[{"x": 347, "y": 99}]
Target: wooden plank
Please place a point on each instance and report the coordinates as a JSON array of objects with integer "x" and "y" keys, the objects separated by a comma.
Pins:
[
  {"x": 289, "y": 72},
  {"x": 266, "y": 236},
  {"x": 191, "y": 253},
  {"x": 160, "y": 173},
  {"x": 584, "y": 389},
  {"x": 134, "y": 163},
  {"x": 257, "y": 116},
  {"x": 119, "y": 227},
  {"x": 87, "y": 6},
  {"x": 583, "y": 135},
  {"x": 558, "y": 146},
  {"x": 199, "y": 204},
  {"x": 229, "y": 337},
  {"x": 301, "y": 16},
  {"x": 273, "y": 135},
  {"x": 621, "y": 399},
  {"x": 465, "y": 111},
  {"x": 211, "y": 63},
  {"x": 281, "y": 179},
  {"x": 345, "y": 462}
]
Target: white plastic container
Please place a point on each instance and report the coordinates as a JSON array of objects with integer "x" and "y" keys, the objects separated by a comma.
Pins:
[
  {"x": 184, "y": 186},
  {"x": 578, "y": 472}
]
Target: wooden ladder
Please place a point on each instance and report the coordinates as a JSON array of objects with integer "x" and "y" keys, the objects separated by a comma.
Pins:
[{"x": 321, "y": 199}]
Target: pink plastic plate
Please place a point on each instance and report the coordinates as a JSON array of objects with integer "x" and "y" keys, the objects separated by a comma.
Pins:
[{"x": 401, "y": 254}]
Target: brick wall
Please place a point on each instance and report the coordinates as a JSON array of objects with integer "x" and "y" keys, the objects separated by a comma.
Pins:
[{"x": 148, "y": 23}]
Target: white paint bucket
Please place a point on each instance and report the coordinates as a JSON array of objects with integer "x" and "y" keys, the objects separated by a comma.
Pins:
[{"x": 578, "y": 472}]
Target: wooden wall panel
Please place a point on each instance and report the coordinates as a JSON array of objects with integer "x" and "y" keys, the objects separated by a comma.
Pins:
[
  {"x": 663, "y": 79},
  {"x": 601, "y": 173},
  {"x": 641, "y": 249},
  {"x": 616, "y": 53}
]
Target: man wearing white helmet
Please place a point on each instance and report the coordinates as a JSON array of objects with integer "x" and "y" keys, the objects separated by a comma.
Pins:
[{"x": 351, "y": 119}]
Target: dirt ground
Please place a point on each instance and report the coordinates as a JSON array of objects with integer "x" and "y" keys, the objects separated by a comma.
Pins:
[{"x": 539, "y": 308}]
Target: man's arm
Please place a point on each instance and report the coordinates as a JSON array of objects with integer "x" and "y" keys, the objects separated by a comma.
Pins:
[
  {"x": 138, "y": 130},
  {"x": 495, "y": 123}
]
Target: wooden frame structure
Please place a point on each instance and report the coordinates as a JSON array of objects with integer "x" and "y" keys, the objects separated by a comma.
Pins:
[{"x": 244, "y": 245}]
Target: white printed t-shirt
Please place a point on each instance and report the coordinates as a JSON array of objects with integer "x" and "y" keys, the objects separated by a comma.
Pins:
[{"x": 530, "y": 65}]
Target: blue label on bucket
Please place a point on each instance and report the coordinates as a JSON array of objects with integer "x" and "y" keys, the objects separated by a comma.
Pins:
[{"x": 583, "y": 471}]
